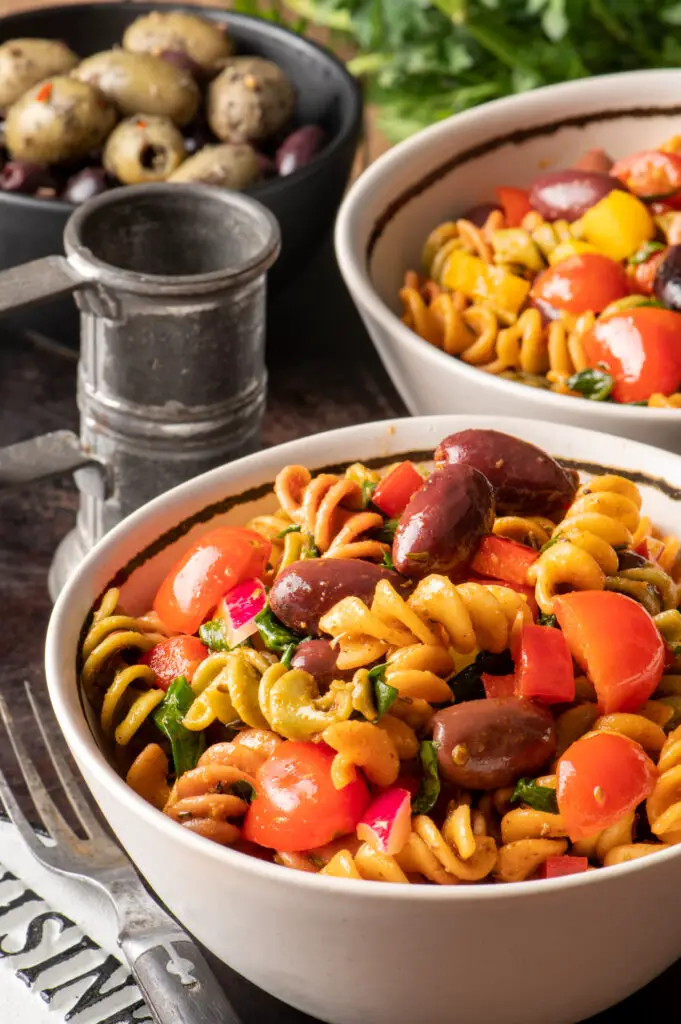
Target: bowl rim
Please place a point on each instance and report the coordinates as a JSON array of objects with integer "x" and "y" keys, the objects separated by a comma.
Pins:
[
  {"x": 86, "y": 750},
  {"x": 352, "y": 104},
  {"x": 354, "y": 267}
]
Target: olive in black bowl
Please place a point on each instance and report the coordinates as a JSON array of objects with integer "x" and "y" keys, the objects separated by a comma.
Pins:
[{"x": 305, "y": 201}]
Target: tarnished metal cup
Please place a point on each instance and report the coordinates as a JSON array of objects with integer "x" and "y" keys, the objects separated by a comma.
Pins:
[{"x": 170, "y": 281}]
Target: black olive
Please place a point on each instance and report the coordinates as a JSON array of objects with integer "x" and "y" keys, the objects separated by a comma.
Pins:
[{"x": 668, "y": 279}]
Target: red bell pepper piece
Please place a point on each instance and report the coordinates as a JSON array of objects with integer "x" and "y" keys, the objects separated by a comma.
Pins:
[
  {"x": 563, "y": 864},
  {"x": 502, "y": 559},
  {"x": 544, "y": 666},
  {"x": 498, "y": 686},
  {"x": 394, "y": 492},
  {"x": 515, "y": 202}
]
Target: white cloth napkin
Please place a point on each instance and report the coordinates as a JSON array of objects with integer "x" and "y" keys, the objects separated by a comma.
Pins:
[{"x": 57, "y": 938}]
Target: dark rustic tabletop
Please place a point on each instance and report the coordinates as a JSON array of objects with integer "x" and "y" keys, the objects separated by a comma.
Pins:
[{"x": 323, "y": 374}]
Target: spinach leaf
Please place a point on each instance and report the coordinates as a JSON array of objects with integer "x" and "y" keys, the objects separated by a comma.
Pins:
[
  {"x": 275, "y": 635},
  {"x": 592, "y": 383},
  {"x": 547, "y": 620},
  {"x": 385, "y": 695},
  {"x": 214, "y": 635},
  {"x": 541, "y": 798},
  {"x": 467, "y": 684},
  {"x": 293, "y": 528},
  {"x": 429, "y": 789},
  {"x": 244, "y": 790},
  {"x": 187, "y": 746}
]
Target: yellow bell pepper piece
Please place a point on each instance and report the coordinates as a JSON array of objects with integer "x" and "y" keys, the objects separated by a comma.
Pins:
[
  {"x": 567, "y": 249},
  {"x": 672, "y": 145},
  {"x": 478, "y": 280},
  {"x": 618, "y": 225}
]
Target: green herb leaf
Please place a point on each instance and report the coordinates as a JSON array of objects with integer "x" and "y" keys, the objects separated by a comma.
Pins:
[
  {"x": 594, "y": 384},
  {"x": 642, "y": 402},
  {"x": 467, "y": 684},
  {"x": 275, "y": 635},
  {"x": 418, "y": 556},
  {"x": 387, "y": 562},
  {"x": 187, "y": 746},
  {"x": 541, "y": 798},
  {"x": 385, "y": 695},
  {"x": 244, "y": 790},
  {"x": 367, "y": 487},
  {"x": 310, "y": 549},
  {"x": 547, "y": 620},
  {"x": 214, "y": 635},
  {"x": 429, "y": 789},
  {"x": 293, "y": 528},
  {"x": 387, "y": 531},
  {"x": 643, "y": 254},
  {"x": 549, "y": 544}
]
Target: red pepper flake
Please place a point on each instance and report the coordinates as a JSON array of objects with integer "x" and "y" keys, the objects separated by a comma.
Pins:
[
  {"x": 141, "y": 124},
  {"x": 44, "y": 92}
]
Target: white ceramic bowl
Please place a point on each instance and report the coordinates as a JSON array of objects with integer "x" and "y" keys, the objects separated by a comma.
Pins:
[
  {"x": 442, "y": 171},
  {"x": 365, "y": 952}
]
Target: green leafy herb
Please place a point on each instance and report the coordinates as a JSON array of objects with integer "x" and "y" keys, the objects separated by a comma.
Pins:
[
  {"x": 275, "y": 635},
  {"x": 429, "y": 789},
  {"x": 643, "y": 401},
  {"x": 387, "y": 562},
  {"x": 293, "y": 528},
  {"x": 549, "y": 544},
  {"x": 385, "y": 695},
  {"x": 187, "y": 746},
  {"x": 244, "y": 790},
  {"x": 541, "y": 798},
  {"x": 287, "y": 654},
  {"x": 547, "y": 620},
  {"x": 387, "y": 531},
  {"x": 467, "y": 684},
  {"x": 643, "y": 254},
  {"x": 310, "y": 550},
  {"x": 214, "y": 635},
  {"x": 367, "y": 487},
  {"x": 592, "y": 383},
  {"x": 418, "y": 556}
]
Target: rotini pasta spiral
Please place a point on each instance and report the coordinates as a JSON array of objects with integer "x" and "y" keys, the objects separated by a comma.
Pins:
[
  {"x": 582, "y": 551},
  {"x": 664, "y": 803}
]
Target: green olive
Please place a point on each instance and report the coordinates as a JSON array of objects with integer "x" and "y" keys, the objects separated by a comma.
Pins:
[
  {"x": 250, "y": 100},
  {"x": 141, "y": 84},
  {"x": 59, "y": 119},
  {"x": 174, "y": 31},
  {"x": 143, "y": 148},
  {"x": 25, "y": 62},
  {"x": 231, "y": 165}
]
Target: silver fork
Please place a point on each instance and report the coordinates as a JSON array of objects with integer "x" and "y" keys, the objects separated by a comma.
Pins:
[{"x": 173, "y": 975}]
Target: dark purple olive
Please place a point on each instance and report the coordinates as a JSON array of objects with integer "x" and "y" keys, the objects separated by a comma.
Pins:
[
  {"x": 667, "y": 285},
  {"x": 567, "y": 194},
  {"x": 180, "y": 59},
  {"x": 305, "y": 590},
  {"x": 485, "y": 744},
  {"x": 19, "y": 176},
  {"x": 526, "y": 480},
  {"x": 90, "y": 182},
  {"x": 441, "y": 526},
  {"x": 318, "y": 658},
  {"x": 267, "y": 167},
  {"x": 630, "y": 560},
  {"x": 478, "y": 214},
  {"x": 299, "y": 148}
]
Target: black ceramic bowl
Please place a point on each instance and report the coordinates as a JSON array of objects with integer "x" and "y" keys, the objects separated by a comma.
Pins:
[{"x": 305, "y": 203}]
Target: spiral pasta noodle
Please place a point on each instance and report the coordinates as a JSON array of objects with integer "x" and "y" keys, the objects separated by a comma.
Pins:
[{"x": 664, "y": 803}]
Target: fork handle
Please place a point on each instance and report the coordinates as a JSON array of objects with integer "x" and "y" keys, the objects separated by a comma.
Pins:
[{"x": 176, "y": 981}]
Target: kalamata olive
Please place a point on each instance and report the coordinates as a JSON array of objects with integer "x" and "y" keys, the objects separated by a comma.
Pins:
[
  {"x": 526, "y": 480},
  {"x": 89, "y": 182},
  {"x": 594, "y": 160},
  {"x": 440, "y": 528},
  {"x": 318, "y": 658},
  {"x": 667, "y": 286},
  {"x": 484, "y": 744},
  {"x": 305, "y": 590},
  {"x": 27, "y": 178},
  {"x": 182, "y": 60},
  {"x": 567, "y": 194},
  {"x": 299, "y": 148},
  {"x": 478, "y": 214},
  {"x": 630, "y": 560}
]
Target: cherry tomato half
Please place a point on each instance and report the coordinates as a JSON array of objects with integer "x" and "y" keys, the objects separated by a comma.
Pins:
[
  {"x": 515, "y": 202},
  {"x": 393, "y": 493},
  {"x": 544, "y": 666},
  {"x": 616, "y": 642},
  {"x": 298, "y": 807},
  {"x": 212, "y": 566},
  {"x": 178, "y": 656},
  {"x": 641, "y": 348},
  {"x": 503, "y": 559},
  {"x": 642, "y": 275},
  {"x": 651, "y": 174},
  {"x": 600, "y": 778},
  {"x": 581, "y": 283}
]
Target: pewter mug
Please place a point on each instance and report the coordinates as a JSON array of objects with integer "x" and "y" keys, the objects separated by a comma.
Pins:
[{"x": 170, "y": 281}]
